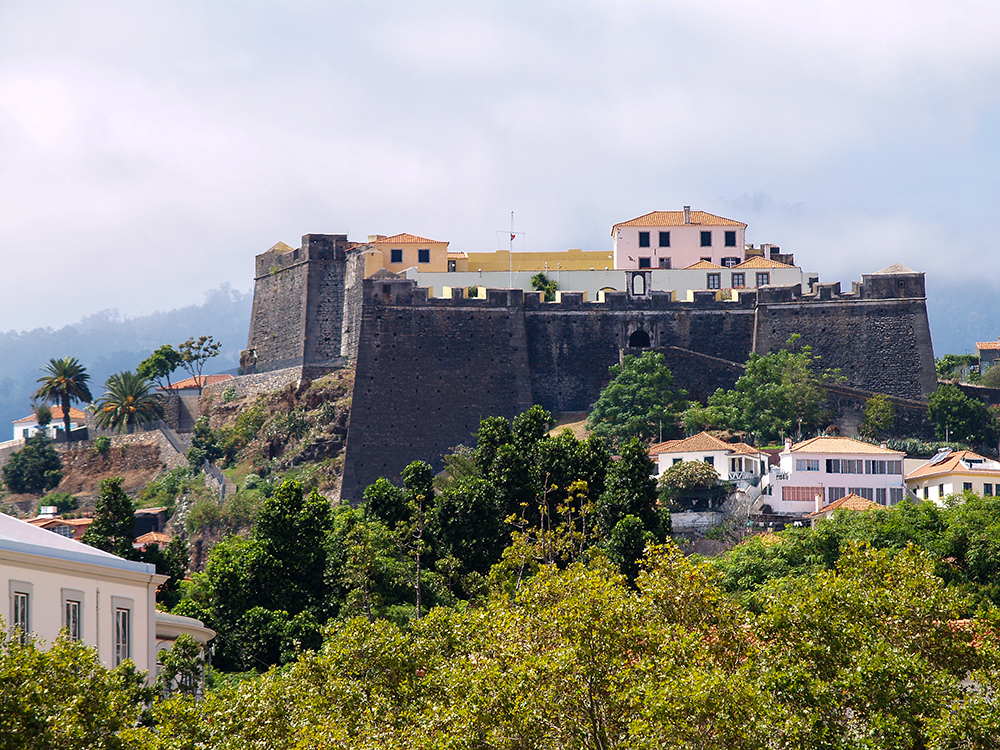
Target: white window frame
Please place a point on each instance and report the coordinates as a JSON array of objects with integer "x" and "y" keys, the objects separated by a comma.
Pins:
[
  {"x": 122, "y": 625},
  {"x": 73, "y": 597},
  {"x": 21, "y": 596}
]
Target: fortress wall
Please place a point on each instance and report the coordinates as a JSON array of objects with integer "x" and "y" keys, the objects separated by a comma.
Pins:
[
  {"x": 278, "y": 317},
  {"x": 879, "y": 345},
  {"x": 571, "y": 346},
  {"x": 427, "y": 372}
]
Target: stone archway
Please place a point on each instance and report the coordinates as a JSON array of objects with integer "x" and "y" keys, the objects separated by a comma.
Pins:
[{"x": 639, "y": 340}]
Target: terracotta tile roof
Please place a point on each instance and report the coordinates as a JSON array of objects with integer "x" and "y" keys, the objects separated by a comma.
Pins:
[
  {"x": 407, "y": 239},
  {"x": 193, "y": 382},
  {"x": 57, "y": 415},
  {"x": 699, "y": 444},
  {"x": 152, "y": 537},
  {"x": 702, "y": 265},
  {"x": 847, "y": 502},
  {"x": 44, "y": 523},
  {"x": 758, "y": 261},
  {"x": 826, "y": 444},
  {"x": 988, "y": 345},
  {"x": 955, "y": 462},
  {"x": 456, "y": 255},
  {"x": 676, "y": 219}
]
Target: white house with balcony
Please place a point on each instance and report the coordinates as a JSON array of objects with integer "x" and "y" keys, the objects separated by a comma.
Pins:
[
  {"x": 678, "y": 239},
  {"x": 816, "y": 472},
  {"x": 50, "y": 583},
  {"x": 735, "y": 462}
]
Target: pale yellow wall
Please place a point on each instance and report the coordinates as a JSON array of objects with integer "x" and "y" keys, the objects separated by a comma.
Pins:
[
  {"x": 570, "y": 260},
  {"x": 439, "y": 256}
]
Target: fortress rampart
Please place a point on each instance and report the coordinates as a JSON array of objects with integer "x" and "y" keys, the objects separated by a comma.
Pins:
[{"x": 428, "y": 368}]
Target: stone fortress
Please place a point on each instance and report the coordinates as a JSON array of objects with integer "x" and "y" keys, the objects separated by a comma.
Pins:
[{"x": 429, "y": 368}]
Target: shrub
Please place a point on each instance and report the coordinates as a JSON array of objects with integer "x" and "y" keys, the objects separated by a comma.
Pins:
[{"x": 101, "y": 446}]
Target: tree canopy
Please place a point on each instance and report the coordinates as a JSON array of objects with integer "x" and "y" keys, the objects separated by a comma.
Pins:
[
  {"x": 34, "y": 469},
  {"x": 159, "y": 365},
  {"x": 960, "y": 417},
  {"x": 127, "y": 402},
  {"x": 195, "y": 352},
  {"x": 639, "y": 402},
  {"x": 113, "y": 528}
]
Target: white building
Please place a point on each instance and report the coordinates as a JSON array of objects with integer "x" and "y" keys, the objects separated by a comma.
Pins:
[
  {"x": 951, "y": 473},
  {"x": 824, "y": 469},
  {"x": 51, "y": 583},
  {"x": 28, "y": 426},
  {"x": 678, "y": 239},
  {"x": 734, "y": 462}
]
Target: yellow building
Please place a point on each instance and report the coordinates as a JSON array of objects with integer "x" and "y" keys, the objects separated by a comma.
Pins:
[
  {"x": 401, "y": 251},
  {"x": 546, "y": 262}
]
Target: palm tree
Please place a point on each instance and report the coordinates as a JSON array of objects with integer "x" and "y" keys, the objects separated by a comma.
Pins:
[
  {"x": 127, "y": 402},
  {"x": 65, "y": 381}
]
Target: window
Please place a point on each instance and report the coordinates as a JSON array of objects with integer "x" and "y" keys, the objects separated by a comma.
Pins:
[
  {"x": 807, "y": 464},
  {"x": 677, "y": 461},
  {"x": 763, "y": 278},
  {"x": 927, "y": 492},
  {"x": 72, "y": 607},
  {"x": 884, "y": 467},
  {"x": 20, "y": 609},
  {"x": 801, "y": 494},
  {"x": 664, "y": 262},
  {"x": 423, "y": 255},
  {"x": 122, "y": 609},
  {"x": 880, "y": 495},
  {"x": 714, "y": 281},
  {"x": 452, "y": 266},
  {"x": 396, "y": 255},
  {"x": 730, "y": 239},
  {"x": 664, "y": 239},
  {"x": 739, "y": 280},
  {"x": 710, "y": 460},
  {"x": 940, "y": 491},
  {"x": 866, "y": 492},
  {"x": 967, "y": 486},
  {"x": 895, "y": 495},
  {"x": 643, "y": 262},
  {"x": 643, "y": 239},
  {"x": 844, "y": 466},
  {"x": 729, "y": 262},
  {"x": 987, "y": 489},
  {"x": 706, "y": 239},
  {"x": 835, "y": 493}
]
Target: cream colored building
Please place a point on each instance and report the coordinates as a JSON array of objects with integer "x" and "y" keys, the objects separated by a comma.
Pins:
[
  {"x": 50, "y": 583},
  {"x": 952, "y": 473},
  {"x": 401, "y": 251}
]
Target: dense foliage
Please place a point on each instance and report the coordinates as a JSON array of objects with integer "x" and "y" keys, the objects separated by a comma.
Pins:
[
  {"x": 779, "y": 394},
  {"x": 128, "y": 401},
  {"x": 960, "y": 417},
  {"x": 639, "y": 402},
  {"x": 34, "y": 469},
  {"x": 64, "y": 382}
]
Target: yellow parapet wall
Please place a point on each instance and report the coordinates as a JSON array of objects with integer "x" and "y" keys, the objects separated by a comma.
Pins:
[{"x": 548, "y": 262}]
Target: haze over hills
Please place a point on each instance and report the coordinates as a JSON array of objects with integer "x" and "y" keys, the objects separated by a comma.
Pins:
[{"x": 106, "y": 343}]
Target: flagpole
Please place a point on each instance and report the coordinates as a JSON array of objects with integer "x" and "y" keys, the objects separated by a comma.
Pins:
[{"x": 510, "y": 253}]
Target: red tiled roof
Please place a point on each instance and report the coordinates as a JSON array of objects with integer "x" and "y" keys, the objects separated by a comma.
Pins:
[
  {"x": 407, "y": 239},
  {"x": 954, "y": 463},
  {"x": 676, "y": 219},
  {"x": 57, "y": 415},
  {"x": 699, "y": 444},
  {"x": 828, "y": 444},
  {"x": 193, "y": 382},
  {"x": 988, "y": 345},
  {"x": 702, "y": 265},
  {"x": 760, "y": 262},
  {"x": 847, "y": 502},
  {"x": 152, "y": 537}
]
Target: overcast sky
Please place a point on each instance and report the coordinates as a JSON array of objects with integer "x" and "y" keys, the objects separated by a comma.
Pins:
[{"x": 149, "y": 150}]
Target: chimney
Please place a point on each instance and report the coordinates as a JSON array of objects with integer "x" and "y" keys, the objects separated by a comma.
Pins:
[
  {"x": 788, "y": 444},
  {"x": 687, "y": 214},
  {"x": 819, "y": 500}
]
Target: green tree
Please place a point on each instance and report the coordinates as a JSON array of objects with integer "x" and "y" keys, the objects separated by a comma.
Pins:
[
  {"x": 34, "y": 469},
  {"x": 630, "y": 491},
  {"x": 64, "y": 382},
  {"x": 991, "y": 378},
  {"x": 690, "y": 483},
  {"x": 181, "y": 668},
  {"x": 951, "y": 365},
  {"x": 113, "y": 528},
  {"x": 127, "y": 402},
  {"x": 159, "y": 365},
  {"x": 640, "y": 401},
  {"x": 541, "y": 283},
  {"x": 778, "y": 394},
  {"x": 195, "y": 352},
  {"x": 959, "y": 417},
  {"x": 204, "y": 445},
  {"x": 171, "y": 561},
  {"x": 880, "y": 416}
]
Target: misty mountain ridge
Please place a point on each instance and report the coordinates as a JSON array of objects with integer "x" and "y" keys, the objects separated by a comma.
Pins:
[{"x": 107, "y": 342}]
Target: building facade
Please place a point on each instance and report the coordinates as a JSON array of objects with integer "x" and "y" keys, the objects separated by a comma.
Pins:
[
  {"x": 952, "y": 473},
  {"x": 678, "y": 239}
]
